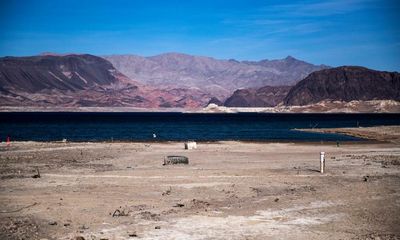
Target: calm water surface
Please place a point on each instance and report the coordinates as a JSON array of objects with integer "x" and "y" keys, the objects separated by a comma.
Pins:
[{"x": 181, "y": 126}]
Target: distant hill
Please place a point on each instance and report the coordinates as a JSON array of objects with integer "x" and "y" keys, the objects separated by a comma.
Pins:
[
  {"x": 345, "y": 83},
  {"x": 218, "y": 78},
  {"x": 66, "y": 73},
  {"x": 267, "y": 96}
]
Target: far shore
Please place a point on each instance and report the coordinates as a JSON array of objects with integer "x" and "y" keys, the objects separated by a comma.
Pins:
[
  {"x": 175, "y": 110},
  {"x": 379, "y": 133}
]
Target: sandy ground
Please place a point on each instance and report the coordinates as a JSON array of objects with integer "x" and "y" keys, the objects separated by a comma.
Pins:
[{"x": 229, "y": 190}]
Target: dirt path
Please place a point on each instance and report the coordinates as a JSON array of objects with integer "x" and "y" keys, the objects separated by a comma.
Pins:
[{"x": 229, "y": 190}]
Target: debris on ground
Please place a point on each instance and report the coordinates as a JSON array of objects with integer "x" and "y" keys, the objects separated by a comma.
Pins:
[
  {"x": 366, "y": 178},
  {"x": 167, "y": 192},
  {"x": 172, "y": 160},
  {"x": 37, "y": 175},
  {"x": 132, "y": 234},
  {"x": 179, "y": 205},
  {"x": 199, "y": 204},
  {"x": 121, "y": 212},
  {"x": 150, "y": 216}
]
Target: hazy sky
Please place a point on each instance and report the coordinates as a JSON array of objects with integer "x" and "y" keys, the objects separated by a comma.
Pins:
[{"x": 332, "y": 32}]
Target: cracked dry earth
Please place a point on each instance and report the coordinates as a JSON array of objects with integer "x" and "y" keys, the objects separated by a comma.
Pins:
[{"x": 229, "y": 190}]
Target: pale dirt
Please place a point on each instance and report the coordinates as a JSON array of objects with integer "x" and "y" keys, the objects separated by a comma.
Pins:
[{"x": 229, "y": 190}]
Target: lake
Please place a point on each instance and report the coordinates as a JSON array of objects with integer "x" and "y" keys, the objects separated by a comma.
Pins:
[{"x": 138, "y": 126}]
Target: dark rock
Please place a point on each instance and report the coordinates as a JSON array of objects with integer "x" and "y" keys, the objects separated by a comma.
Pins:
[
  {"x": 345, "y": 83},
  {"x": 366, "y": 178},
  {"x": 53, "y": 223},
  {"x": 133, "y": 234},
  {"x": 267, "y": 96},
  {"x": 179, "y": 205}
]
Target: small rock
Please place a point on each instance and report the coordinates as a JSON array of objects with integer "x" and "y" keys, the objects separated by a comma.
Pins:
[
  {"x": 365, "y": 178},
  {"x": 157, "y": 227},
  {"x": 167, "y": 192},
  {"x": 84, "y": 227},
  {"x": 179, "y": 205},
  {"x": 79, "y": 238},
  {"x": 53, "y": 223},
  {"x": 133, "y": 234},
  {"x": 67, "y": 224},
  {"x": 276, "y": 200}
]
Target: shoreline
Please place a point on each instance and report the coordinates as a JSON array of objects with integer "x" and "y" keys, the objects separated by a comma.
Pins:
[
  {"x": 326, "y": 106},
  {"x": 305, "y": 142},
  {"x": 379, "y": 133}
]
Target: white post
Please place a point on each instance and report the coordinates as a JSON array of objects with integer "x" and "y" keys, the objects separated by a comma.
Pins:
[{"x": 322, "y": 162}]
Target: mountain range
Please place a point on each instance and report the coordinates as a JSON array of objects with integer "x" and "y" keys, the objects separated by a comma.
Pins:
[
  {"x": 175, "y": 80},
  {"x": 219, "y": 78},
  {"x": 79, "y": 81}
]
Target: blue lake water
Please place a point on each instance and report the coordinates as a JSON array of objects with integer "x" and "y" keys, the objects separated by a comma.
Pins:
[{"x": 181, "y": 126}]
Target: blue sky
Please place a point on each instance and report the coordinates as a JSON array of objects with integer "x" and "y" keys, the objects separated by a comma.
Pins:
[{"x": 332, "y": 32}]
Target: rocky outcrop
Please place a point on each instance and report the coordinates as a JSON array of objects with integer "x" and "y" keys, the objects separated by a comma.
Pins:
[
  {"x": 267, "y": 96},
  {"x": 346, "y": 84}
]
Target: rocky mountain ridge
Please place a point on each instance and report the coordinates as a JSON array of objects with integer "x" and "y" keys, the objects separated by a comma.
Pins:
[
  {"x": 346, "y": 83},
  {"x": 219, "y": 78}
]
